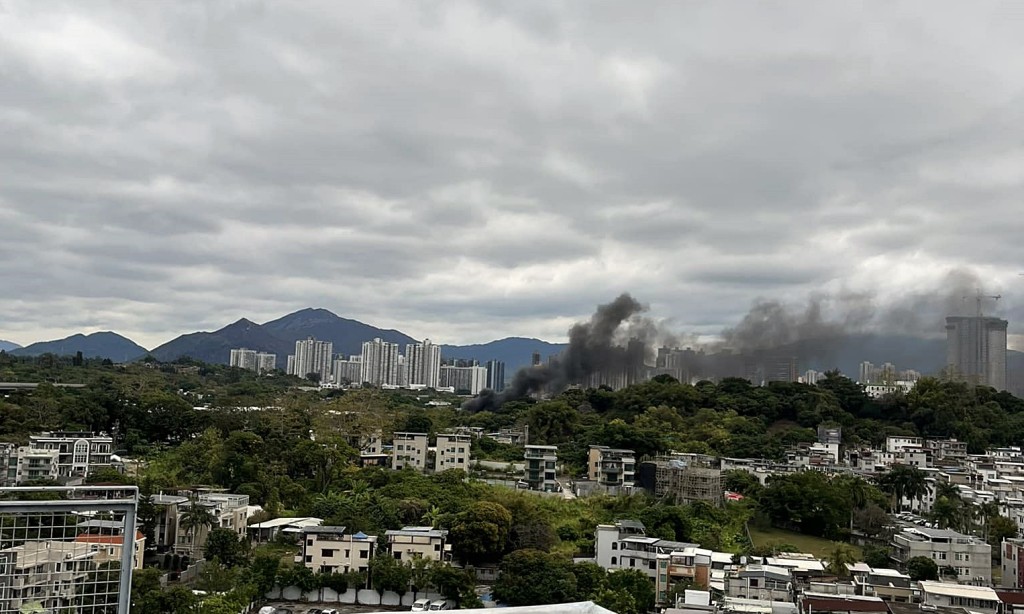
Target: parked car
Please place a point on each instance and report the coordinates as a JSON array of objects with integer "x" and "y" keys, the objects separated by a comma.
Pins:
[
  {"x": 420, "y": 605},
  {"x": 440, "y": 604},
  {"x": 315, "y": 611},
  {"x": 329, "y": 611},
  {"x": 267, "y": 609}
]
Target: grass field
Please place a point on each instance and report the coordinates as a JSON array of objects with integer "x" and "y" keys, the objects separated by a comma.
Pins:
[{"x": 805, "y": 543}]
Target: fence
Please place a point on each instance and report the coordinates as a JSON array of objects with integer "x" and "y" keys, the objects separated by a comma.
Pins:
[{"x": 67, "y": 549}]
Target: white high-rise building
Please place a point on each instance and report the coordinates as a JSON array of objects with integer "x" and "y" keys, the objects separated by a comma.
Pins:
[
  {"x": 380, "y": 363},
  {"x": 290, "y": 368},
  {"x": 469, "y": 380},
  {"x": 811, "y": 377},
  {"x": 348, "y": 371},
  {"x": 313, "y": 356},
  {"x": 424, "y": 363},
  {"x": 265, "y": 362},
  {"x": 243, "y": 358}
]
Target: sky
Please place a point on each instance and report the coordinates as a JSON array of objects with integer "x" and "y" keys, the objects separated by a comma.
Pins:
[{"x": 467, "y": 171}]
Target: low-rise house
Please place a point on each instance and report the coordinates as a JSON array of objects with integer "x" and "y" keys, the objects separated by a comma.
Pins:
[
  {"x": 410, "y": 543},
  {"x": 625, "y": 545},
  {"x": 330, "y": 550},
  {"x": 946, "y": 594},
  {"x": 888, "y": 585},
  {"x": 760, "y": 582},
  {"x": 229, "y": 511},
  {"x": 701, "y": 568},
  {"x": 409, "y": 450},
  {"x": 970, "y": 556},
  {"x": 612, "y": 469},
  {"x": 1013, "y": 563},
  {"x": 110, "y": 547},
  {"x": 452, "y": 451},
  {"x": 845, "y": 604},
  {"x": 269, "y": 530},
  {"x": 539, "y": 469}
]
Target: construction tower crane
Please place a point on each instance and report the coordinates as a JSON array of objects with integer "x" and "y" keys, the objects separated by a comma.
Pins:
[{"x": 978, "y": 297}]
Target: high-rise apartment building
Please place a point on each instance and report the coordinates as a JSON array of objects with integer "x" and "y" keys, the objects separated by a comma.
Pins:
[
  {"x": 348, "y": 371},
  {"x": 495, "y": 375},
  {"x": 243, "y": 358},
  {"x": 466, "y": 380},
  {"x": 313, "y": 356},
  {"x": 290, "y": 368},
  {"x": 260, "y": 362},
  {"x": 423, "y": 361},
  {"x": 976, "y": 350},
  {"x": 380, "y": 363},
  {"x": 265, "y": 362}
]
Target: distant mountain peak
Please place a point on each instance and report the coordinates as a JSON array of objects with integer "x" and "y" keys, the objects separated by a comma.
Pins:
[{"x": 101, "y": 344}]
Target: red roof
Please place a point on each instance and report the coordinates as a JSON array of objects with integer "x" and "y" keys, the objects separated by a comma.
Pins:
[
  {"x": 1011, "y": 597},
  {"x": 89, "y": 538},
  {"x": 821, "y": 604}
]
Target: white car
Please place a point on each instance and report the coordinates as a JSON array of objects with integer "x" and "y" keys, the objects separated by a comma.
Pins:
[
  {"x": 440, "y": 604},
  {"x": 420, "y": 605}
]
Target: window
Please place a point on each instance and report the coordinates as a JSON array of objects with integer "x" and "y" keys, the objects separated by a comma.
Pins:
[
  {"x": 347, "y": 551},
  {"x": 309, "y": 558},
  {"x": 327, "y": 552},
  {"x": 632, "y": 562},
  {"x": 398, "y": 556},
  {"x": 437, "y": 547},
  {"x": 615, "y": 545},
  {"x": 753, "y": 583},
  {"x": 614, "y": 561},
  {"x": 650, "y": 565},
  {"x": 363, "y": 554}
]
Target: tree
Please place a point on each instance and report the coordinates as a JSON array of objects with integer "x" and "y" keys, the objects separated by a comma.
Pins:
[
  {"x": 531, "y": 577},
  {"x": 456, "y": 584},
  {"x": 262, "y": 572},
  {"x": 389, "y": 574},
  {"x": 634, "y": 583},
  {"x": 480, "y": 533},
  {"x": 999, "y": 529},
  {"x": 876, "y": 556},
  {"x": 195, "y": 517},
  {"x": 839, "y": 556},
  {"x": 590, "y": 579},
  {"x": 226, "y": 546},
  {"x": 904, "y": 482},
  {"x": 922, "y": 568}
]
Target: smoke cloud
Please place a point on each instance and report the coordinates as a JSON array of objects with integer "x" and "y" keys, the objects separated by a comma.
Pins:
[
  {"x": 617, "y": 338},
  {"x": 594, "y": 346}
]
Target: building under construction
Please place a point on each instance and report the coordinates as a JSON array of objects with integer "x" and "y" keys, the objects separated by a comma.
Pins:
[{"x": 684, "y": 478}]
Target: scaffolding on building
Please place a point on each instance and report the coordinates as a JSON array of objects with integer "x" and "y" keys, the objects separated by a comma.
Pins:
[{"x": 688, "y": 478}]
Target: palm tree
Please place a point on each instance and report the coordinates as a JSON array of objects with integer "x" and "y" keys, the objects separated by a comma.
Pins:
[
  {"x": 904, "y": 482},
  {"x": 948, "y": 490},
  {"x": 987, "y": 511},
  {"x": 194, "y": 518},
  {"x": 431, "y": 516},
  {"x": 839, "y": 557},
  {"x": 856, "y": 490}
]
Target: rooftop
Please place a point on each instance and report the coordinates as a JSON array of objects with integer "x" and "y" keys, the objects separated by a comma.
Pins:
[
  {"x": 982, "y": 593},
  {"x": 305, "y": 522},
  {"x": 842, "y": 604}
]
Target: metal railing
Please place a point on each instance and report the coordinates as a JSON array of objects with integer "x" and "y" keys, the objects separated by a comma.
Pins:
[{"x": 53, "y": 560}]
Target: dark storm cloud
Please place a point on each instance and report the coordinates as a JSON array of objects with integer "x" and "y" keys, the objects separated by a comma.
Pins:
[{"x": 506, "y": 165}]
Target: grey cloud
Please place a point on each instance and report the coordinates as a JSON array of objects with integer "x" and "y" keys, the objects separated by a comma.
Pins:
[{"x": 507, "y": 164}]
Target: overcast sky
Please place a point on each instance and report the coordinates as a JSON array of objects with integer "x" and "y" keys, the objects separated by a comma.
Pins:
[{"x": 469, "y": 171}]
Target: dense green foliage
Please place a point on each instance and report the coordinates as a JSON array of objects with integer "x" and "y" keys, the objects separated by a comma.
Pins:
[{"x": 296, "y": 453}]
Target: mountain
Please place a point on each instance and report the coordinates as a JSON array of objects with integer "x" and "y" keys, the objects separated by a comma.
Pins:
[
  {"x": 216, "y": 347},
  {"x": 7, "y": 346},
  {"x": 97, "y": 345},
  {"x": 515, "y": 352},
  {"x": 346, "y": 335}
]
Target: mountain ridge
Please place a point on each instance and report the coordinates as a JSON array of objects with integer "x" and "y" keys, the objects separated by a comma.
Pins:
[
  {"x": 7, "y": 346},
  {"x": 103, "y": 344}
]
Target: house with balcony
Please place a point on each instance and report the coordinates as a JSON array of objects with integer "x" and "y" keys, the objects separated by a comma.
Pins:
[
  {"x": 625, "y": 545},
  {"x": 329, "y": 549},
  {"x": 889, "y": 585},
  {"x": 969, "y": 556},
  {"x": 229, "y": 512},
  {"x": 44, "y": 574},
  {"x": 613, "y": 470},
  {"x": 410, "y": 543},
  {"x": 539, "y": 468},
  {"x": 79, "y": 453},
  {"x": 760, "y": 582}
]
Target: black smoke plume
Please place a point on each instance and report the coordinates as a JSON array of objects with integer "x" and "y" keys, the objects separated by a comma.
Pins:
[{"x": 594, "y": 346}]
